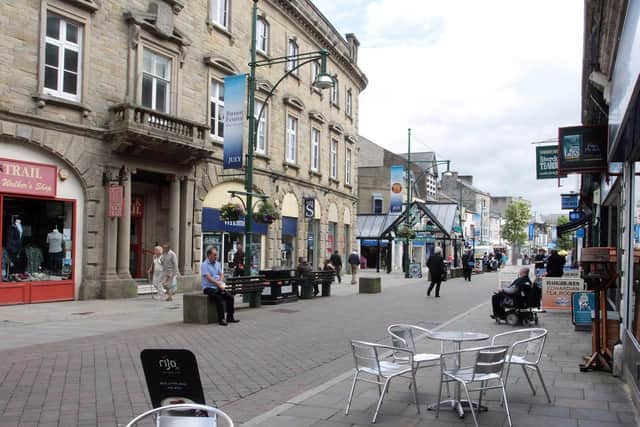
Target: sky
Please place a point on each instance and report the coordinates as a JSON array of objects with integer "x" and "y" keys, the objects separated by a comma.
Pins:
[{"x": 476, "y": 81}]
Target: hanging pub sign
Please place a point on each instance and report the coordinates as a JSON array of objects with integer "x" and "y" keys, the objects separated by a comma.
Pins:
[
  {"x": 582, "y": 149},
  {"x": 309, "y": 207},
  {"x": 547, "y": 162},
  {"x": 234, "y": 97},
  {"x": 569, "y": 201},
  {"x": 116, "y": 201},
  {"x": 32, "y": 179}
]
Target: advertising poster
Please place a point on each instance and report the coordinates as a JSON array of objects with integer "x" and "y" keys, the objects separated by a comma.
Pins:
[
  {"x": 556, "y": 292},
  {"x": 397, "y": 177},
  {"x": 583, "y": 306},
  {"x": 234, "y": 115}
]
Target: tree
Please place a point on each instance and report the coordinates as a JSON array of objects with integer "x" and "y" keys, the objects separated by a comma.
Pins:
[
  {"x": 566, "y": 240},
  {"x": 514, "y": 229}
]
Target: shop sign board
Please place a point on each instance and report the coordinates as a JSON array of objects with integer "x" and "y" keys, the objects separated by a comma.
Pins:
[
  {"x": 547, "y": 162},
  {"x": 583, "y": 305},
  {"x": 396, "y": 187},
  {"x": 32, "y": 179},
  {"x": 569, "y": 201},
  {"x": 576, "y": 215},
  {"x": 582, "y": 149},
  {"x": 172, "y": 377},
  {"x": 309, "y": 207},
  {"x": 556, "y": 292},
  {"x": 116, "y": 201},
  {"x": 234, "y": 116}
]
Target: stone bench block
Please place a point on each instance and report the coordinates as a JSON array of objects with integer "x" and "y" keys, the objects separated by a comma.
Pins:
[
  {"x": 370, "y": 285},
  {"x": 198, "y": 308}
]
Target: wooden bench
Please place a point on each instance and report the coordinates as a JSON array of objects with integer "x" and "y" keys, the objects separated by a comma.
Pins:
[
  {"x": 323, "y": 278},
  {"x": 199, "y": 308}
]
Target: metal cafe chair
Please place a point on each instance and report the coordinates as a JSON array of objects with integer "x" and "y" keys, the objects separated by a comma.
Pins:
[
  {"x": 405, "y": 336},
  {"x": 526, "y": 351},
  {"x": 162, "y": 420},
  {"x": 487, "y": 367},
  {"x": 369, "y": 365}
]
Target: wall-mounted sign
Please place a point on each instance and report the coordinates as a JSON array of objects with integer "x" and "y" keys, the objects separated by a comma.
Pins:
[
  {"x": 172, "y": 377},
  {"x": 309, "y": 208},
  {"x": 116, "y": 201},
  {"x": 569, "y": 201},
  {"x": 137, "y": 207},
  {"x": 547, "y": 162},
  {"x": 234, "y": 97},
  {"x": 33, "y": 179},
  {"x": 582, "y": 149},
  {"x": 576, "y": 215},
  {"x": 397, "y": 177}
]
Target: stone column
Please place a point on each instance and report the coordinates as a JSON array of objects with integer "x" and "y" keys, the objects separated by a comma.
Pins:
[
  {"x": 174, "y": 214},
  {"x": 110, "y": 242},
  {"x": 124, "y": 230},
  {"x": 186, "y": 227}
]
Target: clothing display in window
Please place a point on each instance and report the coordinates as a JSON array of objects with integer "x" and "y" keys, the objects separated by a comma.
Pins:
[
  {"x": 54, "y": 259},
  {"x": 5, "y": 264},
  {"x": 34, "y": 258},
  {"x": 14, "y": 239}
]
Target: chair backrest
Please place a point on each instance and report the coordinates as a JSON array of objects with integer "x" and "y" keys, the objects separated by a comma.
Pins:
[
  {"x": 402, "y": 337},
  {"x": 527, "y": 344},
  {"x": 490, "y": 360},
  {"x": 365, "y": 355}
]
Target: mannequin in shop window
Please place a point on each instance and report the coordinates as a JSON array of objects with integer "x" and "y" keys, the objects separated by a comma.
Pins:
[
  {"x": 34, "y": 258},
  {"x": 14, "y": 245},
  {"x": 54, "y": 240}
]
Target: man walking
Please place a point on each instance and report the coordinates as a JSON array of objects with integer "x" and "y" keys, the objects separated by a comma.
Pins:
[
  {"x": 213, "y": 286},
  {"x": 169, "y": 263},
  {"x": 437, "y": 270},
  {"x": 354, "y": 262},
  {"x": 467, "y": 264},
  {"x": 336, "y": 261}
]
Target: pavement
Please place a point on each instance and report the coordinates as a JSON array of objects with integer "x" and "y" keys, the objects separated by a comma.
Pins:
[{"x": 77, "y": 363}]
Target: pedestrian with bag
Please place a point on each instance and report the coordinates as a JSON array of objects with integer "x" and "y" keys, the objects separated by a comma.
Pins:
[
  {"x": 354, "y": 262},
  {"x": 156, "y": 271},
  {"x": 336, "y": 262},
  {"x": 437, "y": 271}
]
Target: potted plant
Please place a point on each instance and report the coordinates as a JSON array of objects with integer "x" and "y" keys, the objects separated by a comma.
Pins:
[
  {"x": 231, "y": 212},
  {"x": 267, "y": 213},
  {"x": 405, "y": 231}
]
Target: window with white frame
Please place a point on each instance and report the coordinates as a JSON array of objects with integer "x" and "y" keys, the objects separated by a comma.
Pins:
[
  {"x": 62, "y": 58},
  {"x": 261, "y": 140},
  {"x": 217, "y": 110},
  {"x": 349, "y": 103},
  {"x": 262, "y": 35},
  {"x": 315, "y": 149},
  {"x": 335, "y": 92},
  {"x": 220, "y": 12},
  {"x": 156, "y": 81},
  {"x": 347, "y": 166},
  {"x": 292, "y": 50},
  {"x": 334, "y": 159},
  {"x": 315, "y": 71},
  {"x": 292, "y": 138}
]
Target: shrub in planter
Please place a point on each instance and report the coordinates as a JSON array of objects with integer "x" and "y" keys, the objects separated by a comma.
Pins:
[
  {"x": 267, "y": 213},
  {"x": 404, "y": 232},
  {"x": 231, "y": 212}
]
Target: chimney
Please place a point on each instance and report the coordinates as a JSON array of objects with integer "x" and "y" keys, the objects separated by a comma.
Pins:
[{"x": 353, "y": 42}]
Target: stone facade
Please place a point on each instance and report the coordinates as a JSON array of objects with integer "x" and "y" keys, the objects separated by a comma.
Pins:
[{"x": 169, "y": 158}]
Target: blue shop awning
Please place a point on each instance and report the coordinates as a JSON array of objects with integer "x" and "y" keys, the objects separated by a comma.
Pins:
[{"x": 211, "y": 222}]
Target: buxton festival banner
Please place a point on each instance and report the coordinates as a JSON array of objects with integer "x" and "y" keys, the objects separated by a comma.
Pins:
[
  {"x": 234, "y": 97},
  {"x": 395, "y": 201}
]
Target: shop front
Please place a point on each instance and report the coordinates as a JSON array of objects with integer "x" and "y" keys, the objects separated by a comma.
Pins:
[
  {"x": 39, "y": 204},
  {"x": 289, "y": 232}
]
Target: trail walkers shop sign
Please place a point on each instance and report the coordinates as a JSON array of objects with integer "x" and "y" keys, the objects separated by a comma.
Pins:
[{"x": 33, "y": 179}]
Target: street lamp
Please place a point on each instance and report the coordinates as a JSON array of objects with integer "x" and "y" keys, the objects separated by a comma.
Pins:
[{"x": 322, "y": 81}]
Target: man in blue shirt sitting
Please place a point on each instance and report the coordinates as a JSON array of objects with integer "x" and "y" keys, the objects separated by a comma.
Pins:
[{"x": 213, "y": 286}]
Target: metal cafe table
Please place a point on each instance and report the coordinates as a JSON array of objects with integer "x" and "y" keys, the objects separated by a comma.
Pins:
[{"x": 457, "y": 337}]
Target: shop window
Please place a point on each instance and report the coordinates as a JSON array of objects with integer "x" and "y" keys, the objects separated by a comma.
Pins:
[
  {"x": 347, "y": 241},
  {"x": 634, "y": 303},
  {"x": 62, "y": 57},
  {"x": 37, "y": 240},
  {"x": 331, "y": 238}
]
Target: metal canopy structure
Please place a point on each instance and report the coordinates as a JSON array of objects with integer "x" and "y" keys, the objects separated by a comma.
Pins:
[{"x": 445, "y": 217}]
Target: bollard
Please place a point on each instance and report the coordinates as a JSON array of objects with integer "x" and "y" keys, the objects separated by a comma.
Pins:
[{"x": 370, "y": 285}]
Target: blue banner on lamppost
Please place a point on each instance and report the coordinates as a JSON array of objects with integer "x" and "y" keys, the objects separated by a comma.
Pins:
[
  {"x": 234, "y": 116},
  {"x": 395, "y": 200}
]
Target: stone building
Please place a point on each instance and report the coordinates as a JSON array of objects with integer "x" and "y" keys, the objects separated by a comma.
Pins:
[
  {"x": 116, "y": 107},
  {"x": 471, "y": 198}
]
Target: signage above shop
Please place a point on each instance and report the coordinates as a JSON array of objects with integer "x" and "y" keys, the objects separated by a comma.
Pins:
[
  {"x": 309, "y": 207},
  {"x": 547, "y": 162},
  {"x": 137, "y": 207},
  {"x": 569, "y": 201},
  {"x": 33, "y": 179},
  {"x": 582, "y": 149}
]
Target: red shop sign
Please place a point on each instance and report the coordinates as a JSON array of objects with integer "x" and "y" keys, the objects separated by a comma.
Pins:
[
  {"x": 116, "y": 201},
  {"x": 137, "y": 207},
  {"x": 34, "y": 179}
]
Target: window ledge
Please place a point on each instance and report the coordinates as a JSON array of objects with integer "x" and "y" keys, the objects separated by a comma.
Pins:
[
  {"x": 289, "y": 165},
  {"x": 349, "y": 186},
  {"x": 216, "y": 141},
  {"x": 263, "y": 55},
  {"x": 334, "y": 181},
  {"x": 43, "y": 99},
  {"x": 294, "y": 75},
  {"x": 262, "y": 156},
  {"x": 335, "y": 105},
  {"x": 211, "y": 26},
  {"x": 315, "y": 173},
  {"x": 88, "y": 5},
  {"x": 349, "y": 117}
]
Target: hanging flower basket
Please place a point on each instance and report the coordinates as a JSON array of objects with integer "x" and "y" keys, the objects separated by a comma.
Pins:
[
  {"x": 405, "y": 232},
  {"x": 267, "y": 213},
  {"x": 231, "y": 212}
]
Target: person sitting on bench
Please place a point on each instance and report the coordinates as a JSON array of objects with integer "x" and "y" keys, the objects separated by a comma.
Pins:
[
  {"x": 213, "y": 286},
  {"x": 513, "y": 290}
]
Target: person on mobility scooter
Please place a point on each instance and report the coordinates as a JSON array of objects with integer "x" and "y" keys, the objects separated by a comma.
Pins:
[{"x": 517, "y": 303}]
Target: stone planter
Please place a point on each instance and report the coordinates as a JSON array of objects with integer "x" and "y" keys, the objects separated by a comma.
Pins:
[{"x": 370, "y": 285}]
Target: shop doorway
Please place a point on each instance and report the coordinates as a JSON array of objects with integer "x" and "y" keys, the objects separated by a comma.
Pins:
[{"x": 135, "y": 253}]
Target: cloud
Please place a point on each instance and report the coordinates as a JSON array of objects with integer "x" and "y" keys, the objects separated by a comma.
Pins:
[{"x": 477, "y": 81}]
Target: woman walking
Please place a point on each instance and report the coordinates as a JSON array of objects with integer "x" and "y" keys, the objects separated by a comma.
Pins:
[
  {"x": 155, "y": 272},
  {"x": 436, "y": 269}
]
